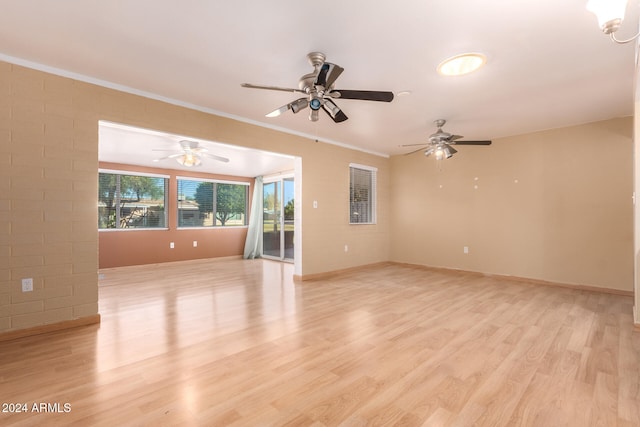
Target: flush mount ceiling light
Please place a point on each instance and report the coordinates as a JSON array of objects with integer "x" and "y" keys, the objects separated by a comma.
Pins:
[
  {"x": 610, "y": 14},
  {"x": 462, "y": 64}
]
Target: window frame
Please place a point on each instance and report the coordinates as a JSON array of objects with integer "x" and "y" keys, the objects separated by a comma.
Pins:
[
  {"x": 372, "y": 202},
  {"x": 213, "y": 181},
  {"x": 119, "y": 172}
]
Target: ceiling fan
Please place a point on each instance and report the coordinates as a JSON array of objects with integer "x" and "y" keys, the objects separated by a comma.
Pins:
[
  {"x": 190, "y": 154},
  {"x": 440, "y": 143},
  {"x": 319, "y": 91}
]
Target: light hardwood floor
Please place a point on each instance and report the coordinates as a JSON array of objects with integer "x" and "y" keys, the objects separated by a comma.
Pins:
[{"x": 221, "y": 343}]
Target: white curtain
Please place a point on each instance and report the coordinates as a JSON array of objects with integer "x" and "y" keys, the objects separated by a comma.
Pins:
[{"x": 253, "y": 244}]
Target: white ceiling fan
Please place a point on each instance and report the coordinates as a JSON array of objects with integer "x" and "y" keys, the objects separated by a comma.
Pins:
[{"x": 190, "y": 154}]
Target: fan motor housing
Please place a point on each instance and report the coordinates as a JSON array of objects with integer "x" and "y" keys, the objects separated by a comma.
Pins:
[{"x": 306, "y": 82}]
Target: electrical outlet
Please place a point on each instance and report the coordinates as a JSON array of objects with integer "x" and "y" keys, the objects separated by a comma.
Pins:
[
  {"x": 195, "y": 243},
  {"x": 172, "y": 245},
  {"x": 346, "y": 248},
  {"x": 315, "y": 204},
  {"x": 27, "y": 285},
  {"x": 465, "y": 249}
]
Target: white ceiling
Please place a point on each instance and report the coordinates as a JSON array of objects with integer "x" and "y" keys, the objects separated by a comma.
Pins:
[
  {"x": 548, "y": 63},
  {"x": 130, "y": 145}
]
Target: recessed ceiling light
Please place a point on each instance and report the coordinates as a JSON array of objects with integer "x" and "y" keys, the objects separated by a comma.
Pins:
[{"x": 462, "y": 64}]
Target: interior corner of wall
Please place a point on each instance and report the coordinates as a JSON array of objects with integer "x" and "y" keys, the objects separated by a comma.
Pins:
[{"x": 636, "y": 315}]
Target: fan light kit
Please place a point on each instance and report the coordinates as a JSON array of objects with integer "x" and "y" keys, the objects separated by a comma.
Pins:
[
  {"x": 189, "y": 160},
  {"x": 441, "y": 151},
  {"x": 319, "y": 91},
  {"x": 190, "y": 154},
  {"x": 610, "y": 14},
  {"x": 440, "y": 143},
  {"x": 462, "y": 64}
]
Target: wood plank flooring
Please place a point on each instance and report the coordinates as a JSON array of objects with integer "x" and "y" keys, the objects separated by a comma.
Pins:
[{"x": 238, "y": 343}]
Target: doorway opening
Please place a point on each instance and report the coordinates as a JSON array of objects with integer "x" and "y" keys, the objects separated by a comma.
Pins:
[{"x": 151, "y": 153}]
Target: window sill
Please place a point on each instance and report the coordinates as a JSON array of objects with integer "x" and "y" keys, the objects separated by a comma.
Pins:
[{"x": 110, "y": 230}]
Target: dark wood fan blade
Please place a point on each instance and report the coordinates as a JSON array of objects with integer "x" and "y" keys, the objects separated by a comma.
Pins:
[
  {"x": 333, "y": 75},
  {"x": 365, "y": 95},
  {"x": 328, "y": 74},
  {"x": 472, "y": 143}
]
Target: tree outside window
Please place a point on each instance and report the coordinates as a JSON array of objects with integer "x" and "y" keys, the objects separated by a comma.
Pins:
[
  {"x": 131, "y": 201},
  {"x": 207, "y": 203}
]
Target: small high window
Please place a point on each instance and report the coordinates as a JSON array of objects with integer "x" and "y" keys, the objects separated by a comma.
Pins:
[{"x": 362, "y": 194}]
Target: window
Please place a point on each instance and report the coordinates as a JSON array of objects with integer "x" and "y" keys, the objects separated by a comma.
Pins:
[
  {"x": 362, "y": 194},
  {"x": 204, "y": 203},
  {"x": 131, "y": 201}
]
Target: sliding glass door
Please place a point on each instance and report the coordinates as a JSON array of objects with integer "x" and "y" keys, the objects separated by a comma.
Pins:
[
  {"x": 278, "y": 219},
  {"x": 272, "y": 218},
  {"x": 288, "y": 214}
]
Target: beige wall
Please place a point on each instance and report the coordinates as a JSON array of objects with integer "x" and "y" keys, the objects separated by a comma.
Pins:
[
  {"x": 48, "y": 190},
  {"x": 48, "y": 165},
  {"x": 553, "y": 205}
]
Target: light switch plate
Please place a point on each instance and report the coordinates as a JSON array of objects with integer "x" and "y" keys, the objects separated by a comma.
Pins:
[{"x": 27, "y": 285}]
